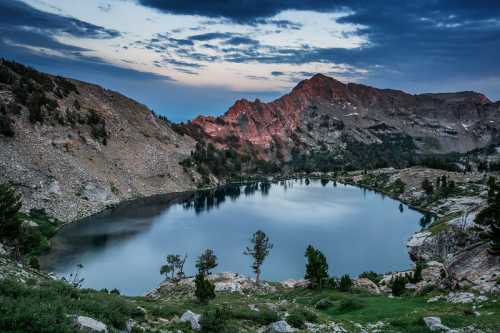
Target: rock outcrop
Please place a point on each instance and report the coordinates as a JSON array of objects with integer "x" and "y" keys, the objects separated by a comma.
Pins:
[{"x": 224, "y": 283}]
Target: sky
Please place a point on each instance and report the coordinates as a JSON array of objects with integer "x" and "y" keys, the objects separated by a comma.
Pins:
[{"x": 197, "y": 57}]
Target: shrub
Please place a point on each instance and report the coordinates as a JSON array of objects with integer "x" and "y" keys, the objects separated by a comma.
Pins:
[
  {"x": 262, "y": 317},
  {"x": 115, "y": 291},
  {"x": 371, "y": 275},
  {"x": 34, "y": 263},
  {"x": 36, "y": 103},
  {"x": 10, "y": 204},
  {"x": 417, "y": 273},
  {"x": 6, "y": 124},
  {"x": 98, "y": 127},
  {"x": 345, "y": 283},
  {"x": 45, "y": 308},
  {"x": 166, "y": 311},
  {"x": 398, "y": 285},
  {"x": 215, "y": 321},
  {"x": 324, "y": 304},
  {"x": 350, "y": 304},
  {"x": 296, "y": 320}
]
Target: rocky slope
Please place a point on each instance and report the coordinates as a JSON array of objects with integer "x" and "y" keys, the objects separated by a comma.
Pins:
[
  {"x": 326, "y": 115},
  {"x": 74, "y": 148},
  {"x": 451, "y": 244}
]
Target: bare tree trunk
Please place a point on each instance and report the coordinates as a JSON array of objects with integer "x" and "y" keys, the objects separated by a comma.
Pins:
[{"x": 257, "y": 277}]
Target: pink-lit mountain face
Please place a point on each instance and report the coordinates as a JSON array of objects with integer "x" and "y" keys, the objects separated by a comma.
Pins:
[{"x": 324, "y": 114}]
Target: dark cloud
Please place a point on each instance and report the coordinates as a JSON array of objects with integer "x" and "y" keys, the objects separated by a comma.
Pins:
[
  {"x": 106, "y": 8},
  {"x": 277, "y": 73},
  {"x": 210, "y": 36},
  {"x": 282, "y": 24},
  {"x": 16, "y": 15},
  {"x": 257, "y": 77},
  {"x": 23, "y": 28},
  {"x": 247, "y": 12},
  {"x": 239, "y": 40}
]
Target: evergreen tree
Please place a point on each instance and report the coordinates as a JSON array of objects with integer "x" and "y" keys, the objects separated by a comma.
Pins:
[
  {"x": 494, "y": 225},
  {"x": 316, "y": 267},
  {"x": 490, "y": 216},
  {"x": 425, "y": 220},
  {"x": 492, "y": 187},
  {"x": 10, "y": 204},
  {"x": 345, "y": 283},
  {"x": 427, "y": 187},
  {"x": 258, "y": 251},
  {"x": 206, "y": 261},
  {"x": 494, "y": 237},
  {"x": 204, "y": 289}
]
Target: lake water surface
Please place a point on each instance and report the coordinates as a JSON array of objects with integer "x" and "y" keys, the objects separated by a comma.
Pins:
[{"x": 123, "y": 248}]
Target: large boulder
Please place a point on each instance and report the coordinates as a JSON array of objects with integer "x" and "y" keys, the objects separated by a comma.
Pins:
[
  {"x": 279, "y": 327},
  {"x": 431, "y": 273},
  {"x": 292, "y": 283},
  {"x": 90, "y": 325},
  {"x": 366, "y": 284},
  {"x": 3, "y": 251},
  {"x": 435, "y": 325},
  {"x": 231, "y": 287},
  {"x": 192, "y": 318}
]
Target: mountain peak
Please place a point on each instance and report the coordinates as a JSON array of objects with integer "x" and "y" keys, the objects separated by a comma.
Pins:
[{"x": 321, "y": 85}]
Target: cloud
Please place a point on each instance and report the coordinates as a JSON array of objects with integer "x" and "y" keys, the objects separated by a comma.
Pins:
[
  {"x": 210, "y": 36},
  {"x": 241, "y": 41},
  {"x": 16, "y": 15},
  {"x": 247, "y": 12},
  {"x": 283, "y": 24}
]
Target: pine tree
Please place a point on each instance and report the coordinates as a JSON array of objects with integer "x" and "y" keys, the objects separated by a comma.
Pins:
[
  {"x": 345, "y": 283},
  {"x": 206, "y": 261},
  {"x": 492, "y": 187},
  {"x": 259, "y": 251},
  {"x": 494, "y": 225},
  {"x": 427, "y": 187},
  {"x": 316, "y": 267},
  {"x": 10, "y": 204},
  {"x": 204, "y": 289}
]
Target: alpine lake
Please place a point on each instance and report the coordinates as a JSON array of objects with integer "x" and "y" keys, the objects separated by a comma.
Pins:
[{"x": 124, "y": 247}]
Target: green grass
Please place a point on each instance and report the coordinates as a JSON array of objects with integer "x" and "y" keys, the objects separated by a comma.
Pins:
[
  {"x": 33, "y": 308},
  {"x": 47, "y": 307}
]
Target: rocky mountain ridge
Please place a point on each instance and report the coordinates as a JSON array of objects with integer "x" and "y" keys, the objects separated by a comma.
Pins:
[{"x": 323, "y": 114}]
